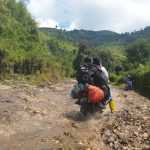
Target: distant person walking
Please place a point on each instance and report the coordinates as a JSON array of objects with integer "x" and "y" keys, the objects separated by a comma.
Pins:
[{"x": 129, "y": 82}]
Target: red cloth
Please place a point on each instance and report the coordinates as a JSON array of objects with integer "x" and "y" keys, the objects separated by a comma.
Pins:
[{"x": 95, "y": 94}]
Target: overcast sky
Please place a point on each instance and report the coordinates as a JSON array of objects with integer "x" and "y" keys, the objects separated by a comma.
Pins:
[{"x": 115, "y": 15}]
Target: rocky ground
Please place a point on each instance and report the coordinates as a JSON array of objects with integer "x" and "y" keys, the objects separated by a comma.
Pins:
[{"x": 46, "y": 118}]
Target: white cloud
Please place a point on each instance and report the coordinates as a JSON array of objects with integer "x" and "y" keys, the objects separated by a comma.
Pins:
[
  {"x": 115, "y": 15},
  {"x": 71, "y": 27},
  {"x": 47, "y": 23}
]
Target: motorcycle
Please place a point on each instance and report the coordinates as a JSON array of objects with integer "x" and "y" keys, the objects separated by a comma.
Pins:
[{"x": 87, "y": 98}]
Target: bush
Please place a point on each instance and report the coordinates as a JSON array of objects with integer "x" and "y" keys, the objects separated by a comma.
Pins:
[
  {"x": 113, "y": 77},
  {"x": 142, "y": 79},
  {"x": 120, "y": 80}
]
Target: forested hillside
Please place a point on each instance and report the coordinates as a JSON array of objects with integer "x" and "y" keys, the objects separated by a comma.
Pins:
[
  {"x": 121, "y": 54},
  {"x": 24, "y": 50},
  {"x": 96, "y": 38}
]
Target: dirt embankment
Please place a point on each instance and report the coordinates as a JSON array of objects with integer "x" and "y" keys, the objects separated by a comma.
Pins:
[{"x": 46, "y": 118}]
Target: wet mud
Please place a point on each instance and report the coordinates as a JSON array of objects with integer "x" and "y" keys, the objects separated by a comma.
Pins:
[{"x": 46, "y": 118}]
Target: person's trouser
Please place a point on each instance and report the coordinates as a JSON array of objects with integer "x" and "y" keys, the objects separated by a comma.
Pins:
[{"x": 129, "y": 85}]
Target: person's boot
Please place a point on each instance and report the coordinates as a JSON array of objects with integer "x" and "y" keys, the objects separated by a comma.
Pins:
[{"x": 112, "y": 106}]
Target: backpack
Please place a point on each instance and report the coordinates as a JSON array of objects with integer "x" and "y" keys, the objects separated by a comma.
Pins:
[
  {"x": 91, "y": 74},
  {"x": 84, "y": 74},
  {"x": 79, "y": 90}
]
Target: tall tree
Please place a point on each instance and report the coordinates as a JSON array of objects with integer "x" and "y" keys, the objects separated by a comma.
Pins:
[
  {"x": 82, "y": 52},
  {"x": 138, "y": 52}
]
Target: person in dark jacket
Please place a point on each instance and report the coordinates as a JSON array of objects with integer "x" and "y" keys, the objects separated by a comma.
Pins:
[
  {"x": 129, "y": 83},
  {"x": 103, "y": 84}
]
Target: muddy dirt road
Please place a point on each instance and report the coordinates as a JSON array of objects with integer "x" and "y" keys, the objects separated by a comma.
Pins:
[{"x": 46, "y": 118}]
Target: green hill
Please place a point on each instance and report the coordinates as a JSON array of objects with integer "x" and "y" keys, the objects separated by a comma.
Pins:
[
  {"x": 26, "y": 51},
  {"x": 94, "y": 38}
]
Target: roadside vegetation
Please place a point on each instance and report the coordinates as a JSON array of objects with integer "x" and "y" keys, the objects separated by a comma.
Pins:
[
  {"x": 26, "y": 52},
  {"x": 42, "y": 55}
]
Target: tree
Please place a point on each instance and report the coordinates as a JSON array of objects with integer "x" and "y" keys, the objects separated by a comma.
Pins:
[
  {"x": 83, "y": 46},
  {"x": 118, "y": 69},
  {"x": 138, "y": 52},
  {"x": 82, "y": 52},
  {"x": 106, "y": 58}
]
